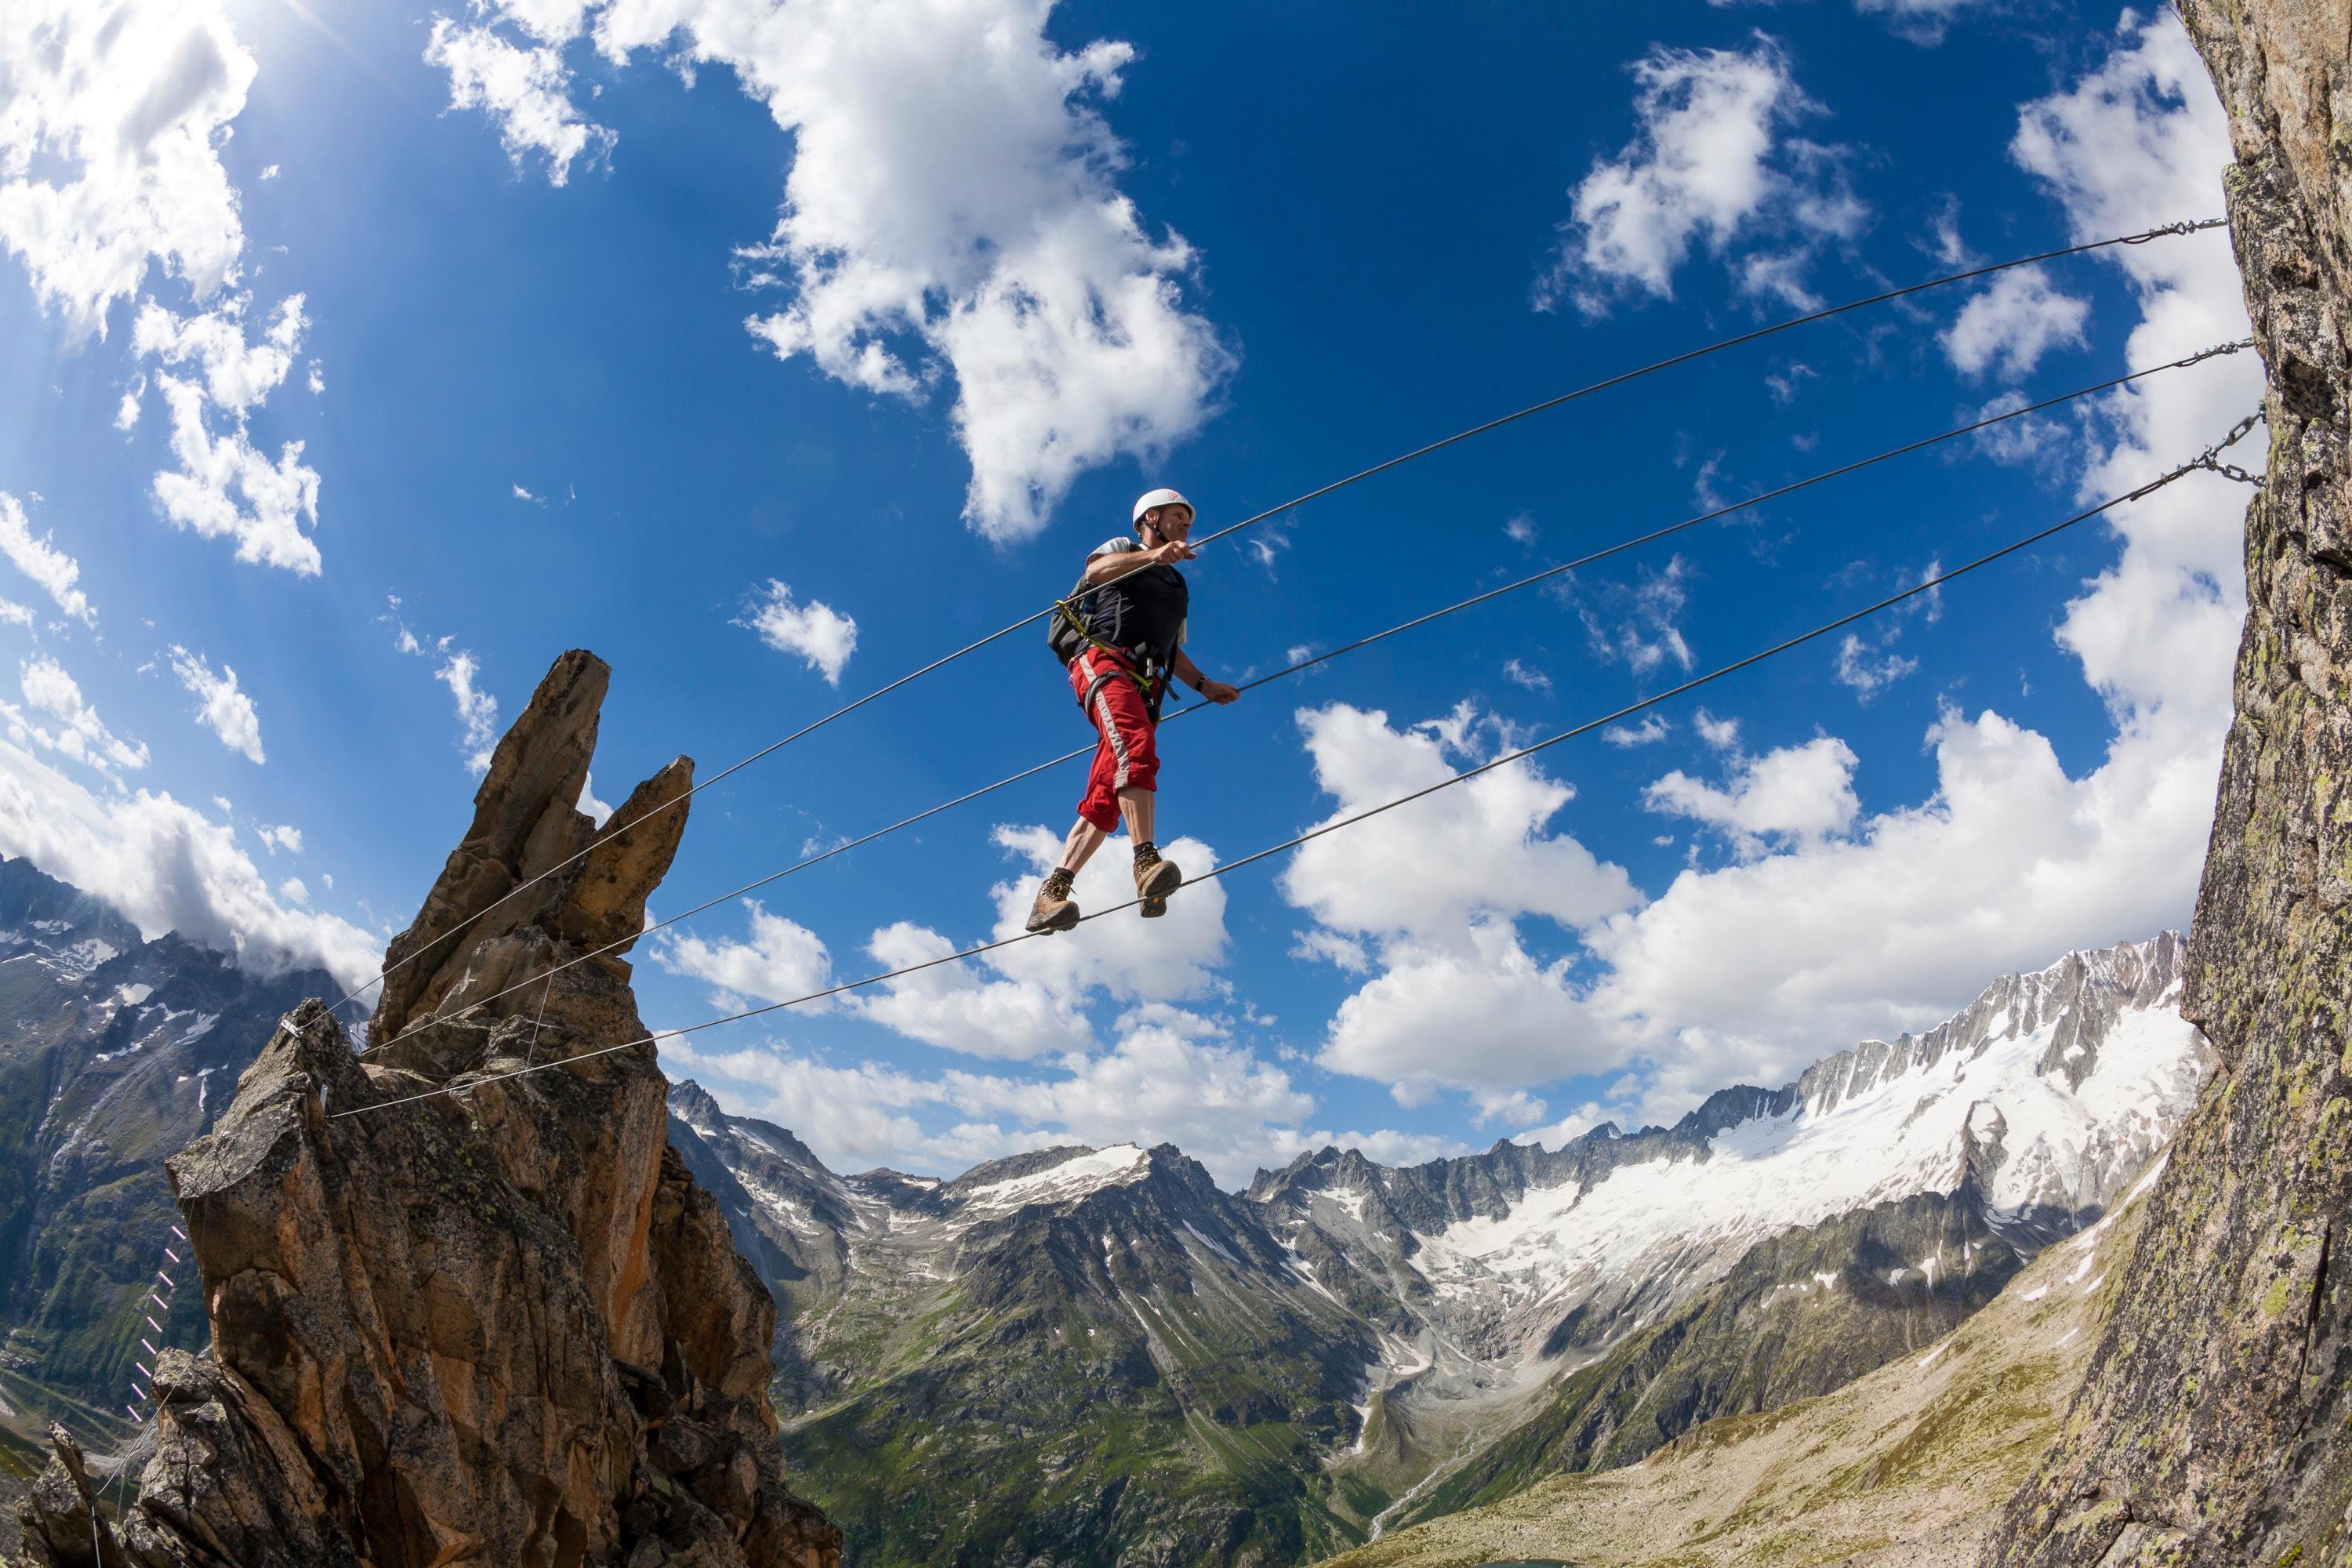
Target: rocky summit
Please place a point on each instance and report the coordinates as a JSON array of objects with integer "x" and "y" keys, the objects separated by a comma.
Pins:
[{"x": 462, "y": 1311}]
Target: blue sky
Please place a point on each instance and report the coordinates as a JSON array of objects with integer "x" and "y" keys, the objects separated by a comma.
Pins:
[{"x": 379, "y": 354}]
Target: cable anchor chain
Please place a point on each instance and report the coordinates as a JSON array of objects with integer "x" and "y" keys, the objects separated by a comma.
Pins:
[
  {"x": 2211, "y": 457},
  {"x": 2186, "y": 225}
]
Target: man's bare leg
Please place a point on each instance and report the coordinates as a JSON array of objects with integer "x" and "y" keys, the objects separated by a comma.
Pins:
[
  {"x": 1135, "y": 809},
  {"x": 1080, "y": 846}
]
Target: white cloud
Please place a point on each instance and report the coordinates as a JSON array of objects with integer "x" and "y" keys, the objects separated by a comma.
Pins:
[
  {"x": 816, "y": 632},
  {"x": 1750, "y": 970},
  {"x": 1920, "y": 21},
  {"x": 598, "y": 811},
  {"x": 2011, "y": 323},
  {"x": 477, "y": 710},
  {"x": 222, "y": 707},
  {"x": 1029, "y": 999},
  {"x": 273, "y": 839},
  {"x": 525, "y": 91},
  {"x": 292, "y": 891},
  {"x": 1792, "y": 794},
  {"x": 109, "y": 137},
  {"x": 167, "y": 867},
  {"x": 782, "y": 961},
  {"x": 1865, "y": 668},
  {"x": 1708, "y": 164},
  {"x": 1430, "y": 866},
  {"x": 224, "y": 487},
  {"x": 270, "y": 173},
  {"x": 110, "y": 165},
  {"x": 1520, "y": 530},
  {"x": 1720, "y": 735},
  {"x": 523, "y": 495},
  {"x": 42, "y": 562},
  {"x": 1438, "y": 886},
  {"x": 1788, "y": 381},
  {"x": 1652, "y": 729},
  {"x": 15, "y": 614},
  {"x": 959, "y": 1008},
  {"x": 81, "y": 734},
  {"x": 1173, "y": 1076},
  {"x": 940, "y": 221},
  {"x": 1342, "y": 952},
  {"x": 1640, "y": 624},
  {"x": 1518, "y": 673}
]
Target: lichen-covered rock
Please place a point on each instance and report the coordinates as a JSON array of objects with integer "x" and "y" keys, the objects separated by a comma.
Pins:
[
  {"x": 2212, "y": 1426},
  {"x": 497, "y": 1327}
]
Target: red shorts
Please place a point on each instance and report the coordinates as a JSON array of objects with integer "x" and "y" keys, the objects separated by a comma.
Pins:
[{"x": 1126, "y": 756}]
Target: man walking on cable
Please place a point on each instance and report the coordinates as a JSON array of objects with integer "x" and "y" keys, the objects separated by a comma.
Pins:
[{"x": 1121, "y": 635}]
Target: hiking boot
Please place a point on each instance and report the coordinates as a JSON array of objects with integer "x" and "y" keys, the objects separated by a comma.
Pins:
[
  {"x": 1154, "y": 879},
  {"x": 1055, "y": 909}
]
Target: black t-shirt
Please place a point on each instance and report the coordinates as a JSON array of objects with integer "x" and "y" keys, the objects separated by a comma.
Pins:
[{"x": 1141, "y": 614}]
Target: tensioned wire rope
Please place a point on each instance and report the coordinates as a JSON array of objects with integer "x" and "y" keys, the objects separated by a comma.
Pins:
[
  {"x": 547, "y": 976},
  {"x": 2185, "y": 226},
  {"x": 2207, "y": 461}
]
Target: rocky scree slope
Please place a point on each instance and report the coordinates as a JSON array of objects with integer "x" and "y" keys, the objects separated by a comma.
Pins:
[
  {"x": 1905, "y": 1468},
  {"x": 114, "y": 1051},
  {"x": 1349, "y": 1346},
  {"x": 2213, "y": 1424},
  {"x": 498, "y": 1327}
]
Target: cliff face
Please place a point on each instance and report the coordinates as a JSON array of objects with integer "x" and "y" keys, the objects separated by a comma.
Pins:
[
  {"x": 498, "y": 1327},
  {"x": 2212, "y": 1425}
]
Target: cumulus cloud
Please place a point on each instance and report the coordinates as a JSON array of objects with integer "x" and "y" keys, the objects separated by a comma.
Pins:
[
  {"x": 79, "y": 734},
  {"x": 1792, "y": 794},
  {"x": 225, "y": 487},
  {"x": 1436, "y": 889},
  {"x": 220, "y": 706},
  {"x": 42, "y": 562},
  {"x": 817, "y": 633},
  {"x": 108, "y": 149},
  {"x": 275, "y": 838},
  {"x": 1752, "y": 969},
  {"x": 941, "y": 223},
  {"x": 525, "y": 91},
  {"x": 477, "y": 710},
  {"x": 782, "y": 961},
  {"x": 1171, "y": 1076},
  {"x": 166, "y": 867},
  {"x": 109, "y": 169},
  {"x": 2010, "y": 324},
  {"x": 1865, "y": 669},
  {"x": 1711, "y": 164}
]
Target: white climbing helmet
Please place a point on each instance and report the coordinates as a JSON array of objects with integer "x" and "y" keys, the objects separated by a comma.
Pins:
[{"x": 1151, "y": 499}]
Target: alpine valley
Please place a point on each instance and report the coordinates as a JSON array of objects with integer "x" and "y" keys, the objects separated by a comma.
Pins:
[{"x": 1095, "y": 1355}]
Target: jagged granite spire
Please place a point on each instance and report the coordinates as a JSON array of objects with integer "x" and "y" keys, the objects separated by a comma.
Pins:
[{"x": 499, "y": 1327}]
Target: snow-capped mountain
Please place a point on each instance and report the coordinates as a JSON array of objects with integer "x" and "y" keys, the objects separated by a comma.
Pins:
[
  {"x": 2043, "y": 1097},
  {"x": 114, "y": 1051},
  {"x": 1413, "y": 1335}
]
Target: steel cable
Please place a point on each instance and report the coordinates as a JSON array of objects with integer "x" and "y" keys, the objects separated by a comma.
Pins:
[
  {"x": 2144, "y": 236},
  {"x": 2209, "y": 461},
  {"x": 1308, "y": 663}
]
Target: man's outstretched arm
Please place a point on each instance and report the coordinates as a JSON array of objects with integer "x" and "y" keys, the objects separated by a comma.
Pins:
[{"x": 1189, "y": 673}]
